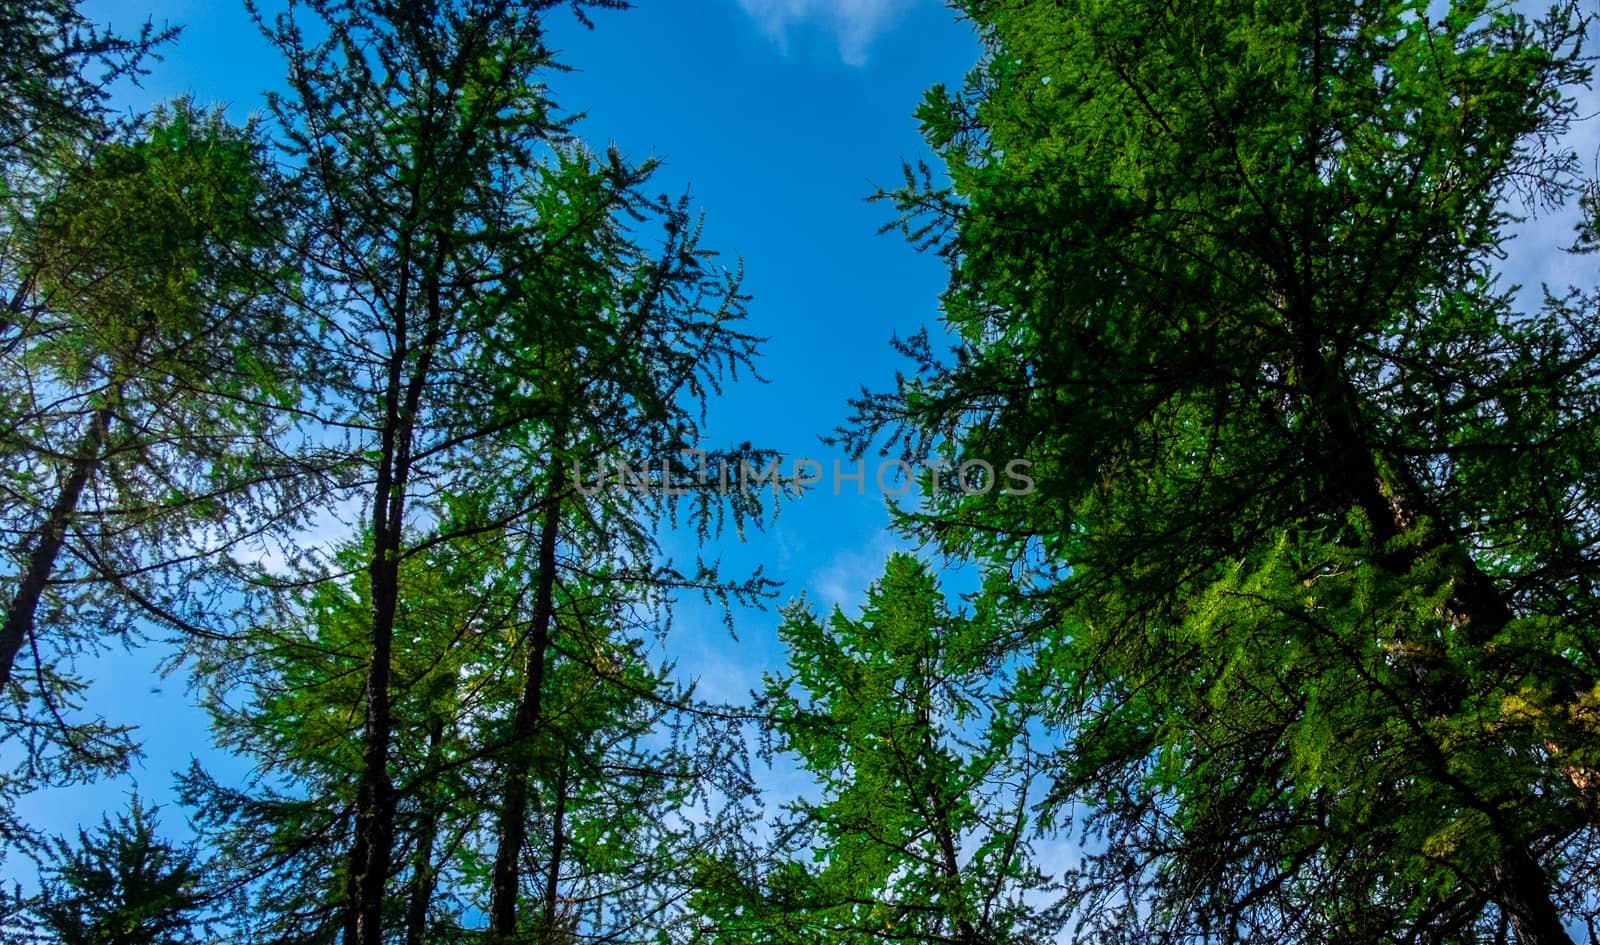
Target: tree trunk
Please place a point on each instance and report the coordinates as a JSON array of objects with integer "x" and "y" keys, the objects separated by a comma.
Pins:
[
  {"x": 1522, "y": 892},
  {"x": 374, "y": 828},
  {"x": 46, "y": 543},
  {"x": 552, "y": 918},
  {"x": 513, "y": 826},
  {"x": 941, "y": 823},
  {"x": 1393, "y": 502},
  {"x": 373, "y": 846},
  {"x": 422, "y": 871}
]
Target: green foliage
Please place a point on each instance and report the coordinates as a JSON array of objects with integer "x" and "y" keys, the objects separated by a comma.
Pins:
[
  {"x": 1310, "y": 559},
  {"x": 461, "y": 703},
  {"x": 145, "y": 376},
  {"x": 300, "y": 716},
  {"x": 56, "y": 71},
  {"x": 611, "y": 765},
  {"x": 121, "y": 885},
  {"x": 427, "y": 323},
  {"x": 920, "y": 753}
]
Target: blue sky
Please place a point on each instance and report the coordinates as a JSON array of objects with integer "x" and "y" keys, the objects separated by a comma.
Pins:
[{"x": 779, "y": 117}]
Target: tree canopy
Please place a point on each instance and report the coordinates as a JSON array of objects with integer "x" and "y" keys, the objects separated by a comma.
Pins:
[
  {"x": 1315, "y": 519},
  {"x": 1288, "y": 634}
]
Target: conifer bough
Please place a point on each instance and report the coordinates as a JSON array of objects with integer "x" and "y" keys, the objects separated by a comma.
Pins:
[{"x": 1311, "y": 560}]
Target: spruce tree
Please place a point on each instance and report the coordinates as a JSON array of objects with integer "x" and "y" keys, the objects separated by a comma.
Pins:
[{"x": 120, "y": 885}]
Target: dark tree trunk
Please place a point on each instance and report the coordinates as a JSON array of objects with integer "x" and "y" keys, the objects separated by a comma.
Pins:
[
  {"x": 373, "y": 845},
  {"x": 558, "y": 845},
  {"x": 422, "y": 870},
  {"x": 374, "y": 815},
  {"x": 513, "y": 826},
  {"x": 46, "y": 543},
  {"x": 1522, "y": 891},
  {"x": 1393, "y": 502}
]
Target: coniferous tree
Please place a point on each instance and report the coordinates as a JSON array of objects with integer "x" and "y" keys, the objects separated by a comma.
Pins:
[
  {"x": 919, "y": 746},
  {"x": 618, "y": 753},
  {"x": 415, "y": 125},
  {"x": 57, "y": 76},
  {"x": 1312, "y": 546},
  {"x": 120, "y": 885},
  {"x": 145, "y": 372},
  {"x": 487, "y": 319},
  {"x": 289, "y": 696},
  {"x": 647, "y": 338}
]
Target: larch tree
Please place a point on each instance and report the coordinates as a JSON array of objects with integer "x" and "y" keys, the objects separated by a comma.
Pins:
[
  {"x": 917, "y": 733},
  {"x": 147, "y": 369},
  {"x": 415, "y": 126},
  {"x": 1311, "y": 556},
  {"x": 642, "y": 338},
  {"x": 121, "y": 884},
  {"x": 487, "y": 319},
  {"x": 290, "y": 697},
  {"x": 58, "y": 72},
  {"x": 618, "y": 753}
]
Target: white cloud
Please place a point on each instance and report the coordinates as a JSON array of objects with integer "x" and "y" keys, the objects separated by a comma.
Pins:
[
  {"x": 843, "y": 581},
  {"x": 854, "y": 23}
]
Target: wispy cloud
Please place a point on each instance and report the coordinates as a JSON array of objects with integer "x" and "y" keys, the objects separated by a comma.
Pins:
[
  {"x": 854, "y": 23},
  {"x": 843, "y": 581}
]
